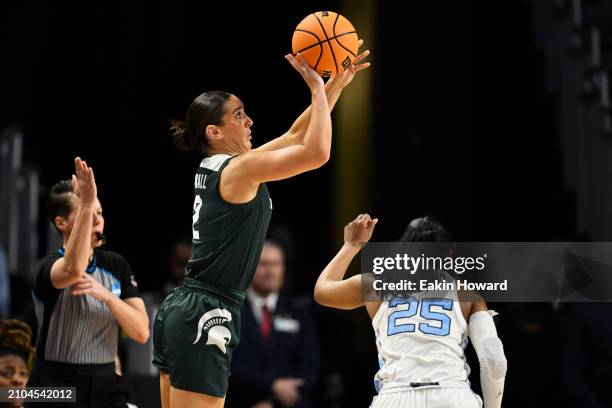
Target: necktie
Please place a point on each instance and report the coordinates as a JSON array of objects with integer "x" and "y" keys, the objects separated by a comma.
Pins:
[{"x": 266, "y": 322}]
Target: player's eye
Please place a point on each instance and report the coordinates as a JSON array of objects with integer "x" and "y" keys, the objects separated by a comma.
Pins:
[{"x": 238, "y": 115}]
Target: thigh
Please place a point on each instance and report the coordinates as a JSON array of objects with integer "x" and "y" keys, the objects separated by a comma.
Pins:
[
  {"x": 199, "y": 334},
  {"x": 187, "y": 399}
]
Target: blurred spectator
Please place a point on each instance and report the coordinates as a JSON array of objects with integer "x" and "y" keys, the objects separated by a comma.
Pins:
[
  {"x": 16, "y": 354},
  {"x": 277, "y": 362},
  {"x": 588, "y": 355},
  {"x": 177, "y": 262}
]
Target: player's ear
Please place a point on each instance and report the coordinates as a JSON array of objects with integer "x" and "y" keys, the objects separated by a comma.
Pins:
[
  {"x": 61, "y": 223},
  {"x": 213, "y": 132}
]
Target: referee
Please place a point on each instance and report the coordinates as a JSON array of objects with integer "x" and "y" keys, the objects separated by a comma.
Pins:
[{"x": 82, "y": 295}]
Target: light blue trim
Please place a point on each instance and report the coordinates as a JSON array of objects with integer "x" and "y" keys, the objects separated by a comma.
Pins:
[{"x": 116, "y": 282}]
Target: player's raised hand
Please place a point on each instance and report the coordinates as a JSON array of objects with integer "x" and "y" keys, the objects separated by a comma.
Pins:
[
  {"x": 359, "y": 231},
  {"x": 345, "y": 77},
  {"x": 312, "y": 78},
  {"x": 84, "y": 182}
]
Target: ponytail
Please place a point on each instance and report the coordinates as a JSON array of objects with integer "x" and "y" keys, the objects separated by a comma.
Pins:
[{"x": 206, "y": 109}]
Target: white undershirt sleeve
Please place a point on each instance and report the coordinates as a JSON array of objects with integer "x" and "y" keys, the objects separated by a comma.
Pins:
[{"x": 490, "y": 352}]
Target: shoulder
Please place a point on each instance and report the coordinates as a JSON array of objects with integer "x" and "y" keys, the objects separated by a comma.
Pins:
[
  {"x": 110, "y": 260},
  {"x": 42, "y": 279},
  {"x": 471, "y": 302},
  {"x": 46, "y": 262},
  {"x": 216, "y": 162}
]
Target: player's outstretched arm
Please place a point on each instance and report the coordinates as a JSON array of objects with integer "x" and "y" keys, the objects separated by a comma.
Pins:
[
  {"x": 332, "y": 289},
  {"x": 333, "y": 89},
  {"x": 255, "y": 167},
  {"x": 490, "y": 352},
  {"x": 68, "y": 269}
]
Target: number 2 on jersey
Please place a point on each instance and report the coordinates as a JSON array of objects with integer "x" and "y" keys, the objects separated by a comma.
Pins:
[
  {"x": 196, "y": 215},
  {"x": 426, "y": 313}
]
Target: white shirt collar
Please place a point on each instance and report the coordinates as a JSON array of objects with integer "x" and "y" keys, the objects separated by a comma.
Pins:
[{"x": 257, "y": 302}]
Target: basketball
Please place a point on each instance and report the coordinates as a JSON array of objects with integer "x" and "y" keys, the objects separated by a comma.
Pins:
[{"x": 328, "y": 42}]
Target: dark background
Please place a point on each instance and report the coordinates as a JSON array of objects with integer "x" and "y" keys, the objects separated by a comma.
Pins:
[{"x": 463, "y": 128}]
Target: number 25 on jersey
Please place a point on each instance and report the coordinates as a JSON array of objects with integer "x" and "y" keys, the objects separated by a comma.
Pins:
[{"x": 443, "y": 321}]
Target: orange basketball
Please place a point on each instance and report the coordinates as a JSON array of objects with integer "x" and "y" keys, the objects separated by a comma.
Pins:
[{"x": 327, "y": 41}]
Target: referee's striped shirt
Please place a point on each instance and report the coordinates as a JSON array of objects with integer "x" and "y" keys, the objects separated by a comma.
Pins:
[{"x": 80, "y": 329}]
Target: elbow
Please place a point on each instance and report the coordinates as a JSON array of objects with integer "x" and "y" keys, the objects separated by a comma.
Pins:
[
  {"x": 318, "y": 296},
  {"x": 495, "y": 366},
  {"x": 320, "y": 157},
  {"x": 324, "y": 156},
  {"x": 501, "y": 368},
  {"x": 142, "y": 336},
  {"x": 74, "y": 271},
  {"x": 325, "y": 298}
]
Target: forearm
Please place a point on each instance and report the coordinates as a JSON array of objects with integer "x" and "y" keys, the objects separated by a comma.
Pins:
[
  {"x": 331, "y": 289},
  {"x": 337, "y": 267},
  {"x": 133, "y": 321},
  {"x": 490, "y": 352},
  {"x": 78, "y": 247},
  {"x": 297, "y": 132},
  {"x": 318, "y": 135}
]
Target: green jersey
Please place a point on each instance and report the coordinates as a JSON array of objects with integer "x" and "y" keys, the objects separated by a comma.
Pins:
[{"x": 227, "y": 238}]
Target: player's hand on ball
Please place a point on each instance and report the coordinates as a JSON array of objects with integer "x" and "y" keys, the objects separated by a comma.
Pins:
[
  {"x": 312, "y": 78},
  {"x": 84, "y": 182},
  {"x": 345, "y": 77},
  {"x": 359, "y": 231}
]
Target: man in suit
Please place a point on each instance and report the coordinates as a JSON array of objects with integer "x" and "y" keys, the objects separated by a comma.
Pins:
[{"x": 278, "y": 359}]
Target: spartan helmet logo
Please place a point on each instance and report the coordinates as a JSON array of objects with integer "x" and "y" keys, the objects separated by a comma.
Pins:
[{"x": 218, "y": 334}]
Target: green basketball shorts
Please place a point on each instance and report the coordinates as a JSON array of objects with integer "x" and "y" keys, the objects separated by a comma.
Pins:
[{"x": 195, "y": 332}]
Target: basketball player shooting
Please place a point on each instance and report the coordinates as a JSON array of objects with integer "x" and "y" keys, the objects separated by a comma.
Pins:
[{"x": 420, "y": 341}]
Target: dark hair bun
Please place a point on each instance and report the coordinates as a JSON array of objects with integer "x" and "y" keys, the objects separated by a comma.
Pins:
[{"x": 184, "y": 139}]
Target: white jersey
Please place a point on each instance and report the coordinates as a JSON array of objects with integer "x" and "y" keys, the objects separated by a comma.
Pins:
[{"x": 420, "y": 341}]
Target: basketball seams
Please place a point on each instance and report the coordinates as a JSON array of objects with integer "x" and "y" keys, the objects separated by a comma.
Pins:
[
  {"x": 324, "y": 41},
  {"x": 328, "y": 43},
  {"x": 309, "y": 32},
  {"x": 336, "y": 36},
  {"x": 314, "y": 45}
]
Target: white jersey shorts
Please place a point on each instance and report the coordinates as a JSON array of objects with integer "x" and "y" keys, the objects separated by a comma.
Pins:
[{"x": 429, "y": 398}]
